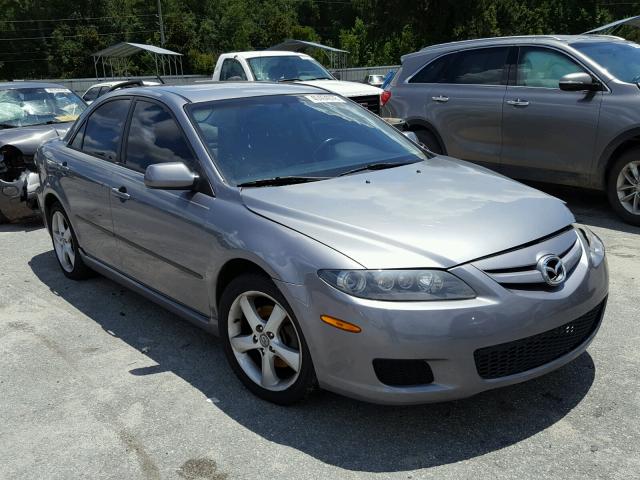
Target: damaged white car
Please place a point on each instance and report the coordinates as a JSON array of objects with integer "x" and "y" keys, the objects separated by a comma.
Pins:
[{"x": 30, "y": 113}]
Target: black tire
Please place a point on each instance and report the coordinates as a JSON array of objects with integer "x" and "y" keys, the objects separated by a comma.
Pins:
[
  {"x": 306, "y": 381},
  {"x": 630, "y": 155},
  {"x": 80, "y": 270},
  {"x": 429, "y": 140}
]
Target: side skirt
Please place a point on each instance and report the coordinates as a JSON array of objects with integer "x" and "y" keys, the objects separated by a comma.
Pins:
[{"x": 206, "y": 323}]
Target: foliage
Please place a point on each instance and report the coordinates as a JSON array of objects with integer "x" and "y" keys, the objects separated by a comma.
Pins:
[{"x": 56, "y": 38}]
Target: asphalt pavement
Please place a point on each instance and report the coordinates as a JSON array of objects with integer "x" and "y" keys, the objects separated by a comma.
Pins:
[{"x": 97, "y": 382}]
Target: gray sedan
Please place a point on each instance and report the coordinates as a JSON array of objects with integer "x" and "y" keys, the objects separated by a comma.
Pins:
[{"x": 323, "y": 246}]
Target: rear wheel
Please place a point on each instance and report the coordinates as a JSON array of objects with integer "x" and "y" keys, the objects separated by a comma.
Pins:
[
  {"x": 263, "y": 341},
  {"x": 623, "y": 186},
  {"x": 65, "y": 245},
  {"x": 429, "y": 140}
]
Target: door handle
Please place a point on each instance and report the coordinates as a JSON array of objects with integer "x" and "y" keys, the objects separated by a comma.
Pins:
[
  {"x": 440, "y": 99},
  {"x": 518, "y": 103},
  {"x": 121, "y": 193},
  {"x": 64, "y": 167}
]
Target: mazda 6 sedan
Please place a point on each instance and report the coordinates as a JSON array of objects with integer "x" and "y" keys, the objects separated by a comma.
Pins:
[{"x": 326, "y": 248}]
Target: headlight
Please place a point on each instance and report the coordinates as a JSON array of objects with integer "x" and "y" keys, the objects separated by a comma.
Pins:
[
  {"x": 398, "y": 285},
  {"x": 594, "y": 246}
]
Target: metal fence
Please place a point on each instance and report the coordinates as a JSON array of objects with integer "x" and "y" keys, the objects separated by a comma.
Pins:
[
  {"x": 80, "y": 85},
  {"x": 359, "y": 74}
]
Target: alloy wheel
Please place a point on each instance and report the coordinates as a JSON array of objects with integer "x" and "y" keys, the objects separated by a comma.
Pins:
[
  {"x": 264, "y": 341},
  {"x": 63, "y": 241},
  {"x": 628, "y": 187}
]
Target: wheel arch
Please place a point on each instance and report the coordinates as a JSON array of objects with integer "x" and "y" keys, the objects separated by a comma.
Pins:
[
  {"x": 414, "y": 124},
  {"x": 232, "y": 269},
  {"x": 612, "y": 152}
]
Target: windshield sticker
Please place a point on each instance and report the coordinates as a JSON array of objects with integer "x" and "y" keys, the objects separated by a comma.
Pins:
[
  {"x": 325, "y": 99},
  {"x": 57, "y": 90}
]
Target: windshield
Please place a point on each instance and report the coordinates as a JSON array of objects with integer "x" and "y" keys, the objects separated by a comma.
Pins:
[
  {"x": 320, "y": 135},
  {"x": 21, "y": 107},
  {"x": 622, "y": 60},
  {"x": 290, "y": 67}
]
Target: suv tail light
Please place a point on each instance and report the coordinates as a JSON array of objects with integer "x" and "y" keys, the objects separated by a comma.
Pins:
[{"x": 384, "y": 97}]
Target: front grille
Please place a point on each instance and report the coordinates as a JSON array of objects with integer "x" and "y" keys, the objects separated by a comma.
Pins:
[
  {"x": 531, "y": 352},
  {"x": 402, "y": 373},
  {"x": 370, "y": 102}
]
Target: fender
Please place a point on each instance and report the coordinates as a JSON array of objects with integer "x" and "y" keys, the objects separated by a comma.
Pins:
[
  {"x": 413, "y": 122},
  {"x": 609, "y": 152}
]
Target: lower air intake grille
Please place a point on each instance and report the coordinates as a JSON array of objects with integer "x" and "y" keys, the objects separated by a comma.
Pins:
[
  {"x": 531, "y": 352},
  {"x": 370, "y": 102},
  {"x": 403, "y": 373}
]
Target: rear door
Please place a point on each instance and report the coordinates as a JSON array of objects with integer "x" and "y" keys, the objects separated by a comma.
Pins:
[
  {"x": 87, "y": 176},
  {"x": 162, "y": 234},
  {"x": 546, "y": 129},
  {"x": 462, "y": 95}
]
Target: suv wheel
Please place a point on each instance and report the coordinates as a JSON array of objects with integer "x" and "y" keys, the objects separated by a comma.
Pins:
[
  {"x": 429, "y": 140},
  {"x": 263, "y": 341},
  {"x": 623, "y": 186},
  {"x": 65, "y": 245}
]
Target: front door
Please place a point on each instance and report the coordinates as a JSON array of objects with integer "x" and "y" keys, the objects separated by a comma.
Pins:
[
  {"x": 544, "y": 128},
  {"x": 161, "y": 233}
]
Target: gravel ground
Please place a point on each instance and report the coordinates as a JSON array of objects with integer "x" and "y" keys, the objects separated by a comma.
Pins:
[{"x": 96, "y": 382}]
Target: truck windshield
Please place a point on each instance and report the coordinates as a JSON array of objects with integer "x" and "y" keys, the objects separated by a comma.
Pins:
[
  {"x": 620, "y": 59},
  {"x": 22, "y": 107},
  {"x": 288, "y": 67},
  {"x": 314, "y": 136}
]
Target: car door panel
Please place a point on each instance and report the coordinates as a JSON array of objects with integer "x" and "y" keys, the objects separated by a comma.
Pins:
[
  {"x": 161, "y": 237},
  {"x": 544, "y": 128}
]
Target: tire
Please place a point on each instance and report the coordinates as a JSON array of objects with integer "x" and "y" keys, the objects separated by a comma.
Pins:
[
  {"x": 429, "y": 140},
  {"x": 65, "y": 245},
  {"x": 623, "y": 186},
  {"x": 250, "y": 342}
]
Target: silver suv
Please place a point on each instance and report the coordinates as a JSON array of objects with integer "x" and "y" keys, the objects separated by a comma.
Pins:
[{"x": 560, "y": 109}]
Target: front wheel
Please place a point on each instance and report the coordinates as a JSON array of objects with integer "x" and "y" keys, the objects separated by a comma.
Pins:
[
  {"x": 429, "y": 140},
  {"x": 263, "y": 341},
  {"x": 623, "y": 186},
  {"x": 65, "y": 245}
]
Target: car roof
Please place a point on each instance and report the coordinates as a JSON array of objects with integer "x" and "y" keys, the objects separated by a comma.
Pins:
[
  {"x": 265, "y": 53},
  {"x": 520, "y": 39},
  {"x": 16, "y": 85},
  {"x": 210, "y": 91}
]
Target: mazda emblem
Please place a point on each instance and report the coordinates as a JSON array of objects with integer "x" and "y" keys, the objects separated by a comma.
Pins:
[{"x": 552, "y": 269}]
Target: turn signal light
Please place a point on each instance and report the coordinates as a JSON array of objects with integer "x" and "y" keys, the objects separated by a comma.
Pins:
[{"x": 341, "y": 324}]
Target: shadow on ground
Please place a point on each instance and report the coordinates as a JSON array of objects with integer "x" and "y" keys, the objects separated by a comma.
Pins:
[
  {"x": 333, "y": 429},
  {"x": 590, "y": 207}
]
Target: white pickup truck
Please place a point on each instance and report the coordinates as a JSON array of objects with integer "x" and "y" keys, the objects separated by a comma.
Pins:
[{"x": 284, "y": 66}]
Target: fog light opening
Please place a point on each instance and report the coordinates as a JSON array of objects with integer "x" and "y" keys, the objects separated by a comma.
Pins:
[{"x": 340, "y": 324}]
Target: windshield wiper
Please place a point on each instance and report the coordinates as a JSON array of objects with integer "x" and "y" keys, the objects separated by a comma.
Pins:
[
  {"x": 377, "y": 166},
  {"x": 276, "y": 181},
  {"x": 293, "y": 79},
  {"x": 6, "y": 125}
]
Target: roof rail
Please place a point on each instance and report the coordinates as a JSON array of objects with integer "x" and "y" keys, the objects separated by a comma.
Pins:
[{"x": 471, "y": 40}]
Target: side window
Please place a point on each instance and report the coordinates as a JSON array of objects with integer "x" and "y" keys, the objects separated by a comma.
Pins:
[
  {"x": 91, "y": 94},
  {"x": 543, "y": 67},
  {"x": 232, "y": 70},
  {"x": 154, "y": 137},
  {"x": 434, "y": 72},
  {"x": 104, "y": 129},
  {"x": 77, "y": 140},
  {"x": 483, "y": 66}
]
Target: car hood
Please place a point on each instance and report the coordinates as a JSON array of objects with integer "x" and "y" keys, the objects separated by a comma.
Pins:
[
  {"x": 28, "y": 139},
  {"x": 438, "y": 213},
  {"x": 347, "y": 89}
]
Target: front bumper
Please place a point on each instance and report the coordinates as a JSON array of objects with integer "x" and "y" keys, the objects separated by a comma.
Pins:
[{"x": 445, "y": 334}]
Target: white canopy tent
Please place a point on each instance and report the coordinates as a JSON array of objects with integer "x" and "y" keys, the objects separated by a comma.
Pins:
[{"x": 114, "y": 59}]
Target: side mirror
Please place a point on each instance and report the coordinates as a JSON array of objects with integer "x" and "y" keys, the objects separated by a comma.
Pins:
[
  {"x": 578, "y": 82},
  {"x": 412, "y": 136},
  {"x": 170, "y": 176}
]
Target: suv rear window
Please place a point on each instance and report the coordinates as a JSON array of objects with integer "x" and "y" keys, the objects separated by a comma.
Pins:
[{"x": 483, "y": 66}]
